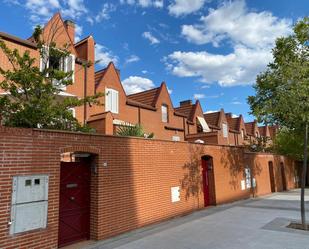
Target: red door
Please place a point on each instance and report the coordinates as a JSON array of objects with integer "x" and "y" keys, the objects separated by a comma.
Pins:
[
  {"x": 74, "y": 206},
  {"x": 205, "y": 182}
]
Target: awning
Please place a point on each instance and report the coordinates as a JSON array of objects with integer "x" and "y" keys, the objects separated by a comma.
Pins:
[
  {"x": 204, "y": 125},
  {"x": 121, "y": 122}
]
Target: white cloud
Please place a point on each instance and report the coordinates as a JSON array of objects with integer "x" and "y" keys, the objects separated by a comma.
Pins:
[
  {"x": 105, "y": 11},
  {"x": 199, "y": 96},
  {"x": 170, "y": 91},
  {"x": 135, "y": 84},
  {"x": 74, "y": 9},
  {"x": 103, "y": 56},
  {"x": 153, "y": 40},
  {"x": 236, "y": 103},
  {"x": 144, "y": 3},
  {"x": 237, "y": 68},
  {"x": 251, "y": 36},
  {"x": 233, "y": 21},
  {"x": 131, "y": 59},
  {"x": 235, "y": 116},
  {"x": 185, "y": 7},
  {"x": 40, "y": 11},
  {"x": 210, "y": 111},
  {"x": 144, "y": 71},
  {"x": 78, "y": 32}
]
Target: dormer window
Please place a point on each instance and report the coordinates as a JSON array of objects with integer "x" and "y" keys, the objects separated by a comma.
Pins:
[
  {"x": 164, "y": 113},
  {"x": 224, "y": 128},
  {"x": 65, "y": 64}
]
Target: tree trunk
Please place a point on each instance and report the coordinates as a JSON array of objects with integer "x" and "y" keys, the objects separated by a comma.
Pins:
[{"x": 303, "y": 180}]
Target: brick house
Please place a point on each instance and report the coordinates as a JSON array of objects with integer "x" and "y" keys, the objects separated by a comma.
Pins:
[
  {"x": 196, "y": 126},
  {"x": 63, "y": 34},
  {"x": 219, "y": 128},
  {"x": 152, "y": 109},
  {"x": 237, "y": 129},
  {"x": 252, "y": 132}
]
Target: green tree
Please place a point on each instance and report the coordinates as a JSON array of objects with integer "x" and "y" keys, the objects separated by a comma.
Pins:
[
  {"x": 282, "y": 91},
  {"x": 129, "y": 130},
  {"x": 33, "y": 92}
]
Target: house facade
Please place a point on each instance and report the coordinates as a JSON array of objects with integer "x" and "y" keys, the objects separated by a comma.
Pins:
[
  {"x": 152, "y": 109},
  {"x": 62, "y": 33}
]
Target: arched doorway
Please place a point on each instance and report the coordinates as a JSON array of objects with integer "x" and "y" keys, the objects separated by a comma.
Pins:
[
  {"x": 272, "y": 176},
  {"x": 75, "y": 197},
  {"x": 208, "y": 181}
]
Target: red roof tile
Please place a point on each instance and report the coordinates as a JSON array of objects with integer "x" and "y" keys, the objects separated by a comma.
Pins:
[
  {"x": 187, "y": 110},
  {"x": 212, "y": 119},
  {"x": 250, "y": 127},
  {"x": 148, "y": 97}
]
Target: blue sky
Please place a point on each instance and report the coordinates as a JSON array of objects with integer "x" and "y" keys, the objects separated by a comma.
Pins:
[{"x": 203, "y": 49}]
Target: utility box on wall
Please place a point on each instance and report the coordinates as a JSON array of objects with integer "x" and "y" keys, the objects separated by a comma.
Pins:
[{"x": 29, "y": 203}]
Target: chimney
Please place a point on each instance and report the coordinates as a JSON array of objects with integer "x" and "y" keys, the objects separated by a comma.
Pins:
[
  {"x": 185, "y": 102},
  {"x": 228, "y": 115},
  {"x": 70, "y": 27}
]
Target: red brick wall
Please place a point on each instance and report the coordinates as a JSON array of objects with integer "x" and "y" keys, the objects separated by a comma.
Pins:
[{"x": 134, "y": 188}]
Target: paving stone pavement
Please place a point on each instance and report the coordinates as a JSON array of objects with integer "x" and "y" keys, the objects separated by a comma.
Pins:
[{"x": 251, "y": 224}]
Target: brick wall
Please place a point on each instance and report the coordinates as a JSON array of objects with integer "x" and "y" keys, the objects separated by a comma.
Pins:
[{"x": 134, "y": 189}]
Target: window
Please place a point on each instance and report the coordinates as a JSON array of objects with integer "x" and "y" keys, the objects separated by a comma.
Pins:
[
  {"x": 66, "y": 64},
  {"x": 111, "y": 100},
  {"x": 257, "y": 134},
  {"x": 164, "y": 110},
  {"x": 224, "y": 128},
  {"x": 72, "y": 110}
]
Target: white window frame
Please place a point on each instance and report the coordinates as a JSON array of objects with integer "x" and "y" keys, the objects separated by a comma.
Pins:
[
  {"x": 65, "y": 65},
  {"x": 73, "y": 112},
  {"x": 111, "y": 100},
  {"x": 225, "y": 130},
  {"x": 164, "y": 115},
  {"x": 242, "y": 133}
]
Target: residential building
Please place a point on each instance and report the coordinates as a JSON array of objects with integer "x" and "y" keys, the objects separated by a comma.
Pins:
[
  {"x": 237, "y": 129},
  {"x": 152, "y": 109},
  {"x": 252, "y": 131},
  {"x": 62, "y": 33}
]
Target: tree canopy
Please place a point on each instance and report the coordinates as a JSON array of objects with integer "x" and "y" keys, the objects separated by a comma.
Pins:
[
  {"x": 282, "y": 91},
  {"x": 33, "y": 91}
]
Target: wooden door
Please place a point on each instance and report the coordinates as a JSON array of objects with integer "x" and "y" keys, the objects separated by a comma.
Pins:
[
  {"x": 205, "y": 182},
  {"x": 74, "y": 206}
]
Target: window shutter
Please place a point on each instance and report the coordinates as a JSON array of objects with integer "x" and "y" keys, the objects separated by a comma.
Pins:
[
  {"x": 44, "y": 61},
  {"x": 115, "y": 100},
  {"x": 70, "y": 65},
  {"x": 108, "y": 100}
]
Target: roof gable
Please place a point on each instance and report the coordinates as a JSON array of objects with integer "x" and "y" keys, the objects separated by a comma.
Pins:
[
  {"x": 150, "y": 97},
  {"x": 55, "y": 31}
]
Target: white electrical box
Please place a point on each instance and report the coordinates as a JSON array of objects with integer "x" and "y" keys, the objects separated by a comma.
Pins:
[
  {"x": 28, "y": 216},
  {"x": 29, "y": 203},
  {"x": 175, "y": 193},
  {"x": 30, "y": 188}
]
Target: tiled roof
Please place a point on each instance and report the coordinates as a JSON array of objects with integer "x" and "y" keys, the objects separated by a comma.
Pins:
[
  {"x": 99, "y": 75},
  {"x": 148, "y": 97},
  {"x": 263, "y": 131},
  {"x": 212, "y": 119},
  {"x": 234, "y": 123},
  {"x": 250, "y": 128},
  {"x": 187, "y": 110},
  {"x": 18, "y": 40}
]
